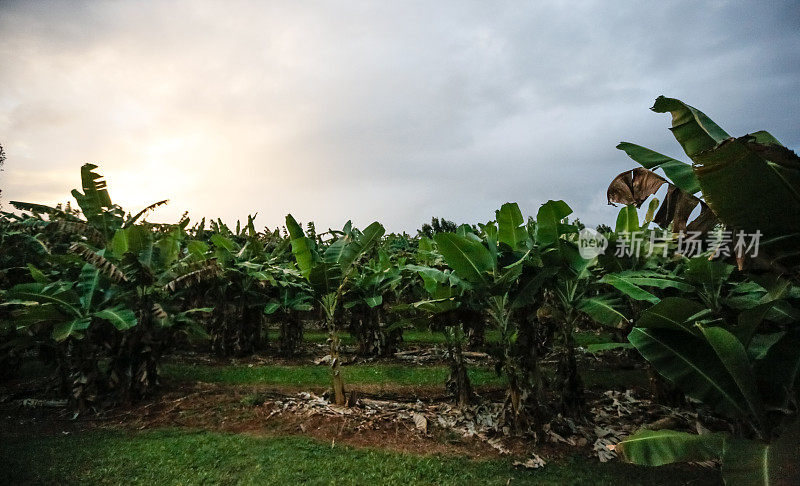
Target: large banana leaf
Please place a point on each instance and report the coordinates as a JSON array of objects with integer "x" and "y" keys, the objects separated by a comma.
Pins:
[
  {"x": 362, "y": 244},
  {"x": 436, "y": 306},
  {"x": 752, "y": 183},
  {"x": 510, "y": 229},
  {"x": 680, "y": 173},
  {"x": 691, "y": 127},
  {"x": 131, "y": 240},
  {"x": 31, "y": 316},
  {"x": 66, "y": 300},
  {"x": 95, "y": 199},
  {"x": 548, "y": 220},
  {"x": 744, "y": 462},
  {"x": 63, "y": 330},
  {"x": 469, "y": 259},
  {"x": 733, "y": 356},
  {"x": 301, "y": 247},
  {"x": 42, "y": 209},
  {"x": 602, "y": 310},
  {"x": 672, "y": 313},
  {"x": 747, "y": 462},
  {"x": 659, "y": 447},
  {"x": 334, "y": 253},
  {"x": 692, "y": 364},
  {"x": 88, "y": 283},
  {"x": 629, "y": 288},
  {"x": 197, "y": 249},
  {"x": 119, "y": 317},
  {"x": 648, "y": 278}
]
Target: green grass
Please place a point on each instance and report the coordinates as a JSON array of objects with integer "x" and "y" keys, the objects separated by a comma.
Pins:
[
  {"x": 372, "y": 374},
  {"x": 186, "y": 457},
  {"x": 311, "y": 375},
  {"x": 418, "y": 337},
  {"x": 410, "y": 336}
]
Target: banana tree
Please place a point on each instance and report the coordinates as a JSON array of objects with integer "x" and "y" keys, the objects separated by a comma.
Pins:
[
  {"x": 736, "y": 350},
  {"x": 240, "y": 294},
  {"x": 503, "y": 275},
  {"x": 570, "y": 293},
  {"x": 239, "y": 276},
  {"x": 69, "y": 318},
  {"x": 329, "y": 273},
  {"x": 290, "y": 299},
  {"x": 376, "y": 285},
  {"x": 145, "y": 272},
  {"x": 526, "y": 271},
  {"x": 107, "y": 275},
  {"x": 447, "y": 306},
  {"x": 515, "y": 268}
]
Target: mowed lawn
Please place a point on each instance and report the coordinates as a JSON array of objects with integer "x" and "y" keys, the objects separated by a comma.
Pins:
[{"x": 170, "y": 456}]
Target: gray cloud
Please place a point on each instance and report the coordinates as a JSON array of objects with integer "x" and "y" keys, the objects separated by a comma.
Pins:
[{"x": 395, "y": 112}]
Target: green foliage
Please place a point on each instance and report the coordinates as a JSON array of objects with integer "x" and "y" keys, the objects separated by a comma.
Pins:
[{"x": 724, "y": 342}]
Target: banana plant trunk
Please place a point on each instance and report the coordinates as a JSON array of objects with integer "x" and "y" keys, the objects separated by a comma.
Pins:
[
  {"x": 336, "y": 372},
  {"x": 85, "y": 382},
  {"x": 291, "y": 334},
  {"x": 237, "y": 330},
  {"x": 525, "y": 383},
  {"x": 330, "y": 305},
  {"x": 571, "y": 389},
  {"x": 477, "y": 338},
  {"x": 458, "y": 382},
  {"x": 134, "y": 366},
  {"x": 373, "y": 339}
]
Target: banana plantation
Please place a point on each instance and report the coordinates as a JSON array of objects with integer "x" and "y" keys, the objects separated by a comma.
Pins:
[{"x": 661, "y": 349}]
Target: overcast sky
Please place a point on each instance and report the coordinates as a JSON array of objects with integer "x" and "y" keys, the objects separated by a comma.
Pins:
[{"x": 395, "y": 111}]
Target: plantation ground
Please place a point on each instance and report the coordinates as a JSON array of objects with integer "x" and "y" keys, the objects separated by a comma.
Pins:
[{"x": 214, "y": 422}]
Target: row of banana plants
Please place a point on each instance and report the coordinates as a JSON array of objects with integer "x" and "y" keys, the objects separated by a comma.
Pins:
[
  {"x": 86, "y": 289},
  {"x": 94, "y": 289},
  {"x": 105, "y": 294}
]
